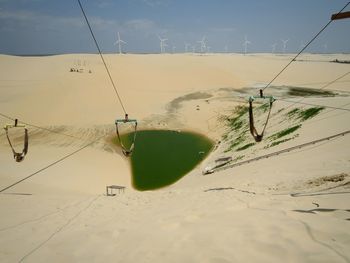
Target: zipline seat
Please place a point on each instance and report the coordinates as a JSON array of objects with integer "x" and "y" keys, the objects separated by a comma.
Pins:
[
  {"x": 18, "y": 156},
  {"x": 126, "y": 151},
  {"x": 258, "y": 137}
]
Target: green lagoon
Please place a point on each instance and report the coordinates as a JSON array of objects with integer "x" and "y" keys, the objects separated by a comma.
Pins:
[{"x": 162, "y": 157}]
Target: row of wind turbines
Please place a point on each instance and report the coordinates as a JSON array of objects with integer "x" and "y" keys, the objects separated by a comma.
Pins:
[
  {"x": 284, "y": 41},
  {"x": 204, "y": 47}
]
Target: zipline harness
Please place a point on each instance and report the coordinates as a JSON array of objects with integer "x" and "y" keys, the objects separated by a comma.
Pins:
[
  {"x": 19, "y": 156},
  {"x": 126, "y": 151},
  {"x": 258, "y": 137}
]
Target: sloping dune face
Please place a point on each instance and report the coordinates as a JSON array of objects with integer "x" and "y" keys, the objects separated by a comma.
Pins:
[{"x": 292, "y": 206}]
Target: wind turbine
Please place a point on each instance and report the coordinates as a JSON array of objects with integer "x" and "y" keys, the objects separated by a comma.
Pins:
[
  {"x": 284, "y": 44},
  {"x": 226, "y": 49},
  {"x": 245, "y": 44},
  {"x": 203, "y": 44},
  {"x": 119, "y": 42},
  {"x": 325, "y": 47},
  {"x": 162, "y": 44},
  {"x": 273, "y": 47},
  {"x": 187, "y": 45}
]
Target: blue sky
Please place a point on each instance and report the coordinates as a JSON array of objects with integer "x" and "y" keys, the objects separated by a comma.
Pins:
[{"x": 52, "y": 26}]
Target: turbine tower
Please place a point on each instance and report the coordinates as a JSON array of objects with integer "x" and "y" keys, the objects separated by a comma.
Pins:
[
  {"x": 203, "y": 44},
  {"x": 187, "y": 45},
  {"x": 162, "y": 44},
  {"x": 245, "y": 44},
  {"x": 284, "y": 44},
  {"x": 325, "y": 47},
  {"x": 226, "y": 49},
  {"x": 273, "y": 47},
  {"x": 193, "y": 49},
  {"x": 119, "y": 42}
]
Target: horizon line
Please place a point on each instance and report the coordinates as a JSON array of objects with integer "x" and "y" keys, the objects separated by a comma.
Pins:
[{"x": 167, "y": 53}]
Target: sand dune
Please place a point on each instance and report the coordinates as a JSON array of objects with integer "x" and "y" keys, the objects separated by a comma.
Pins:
[{"x": 291, "y": 207}]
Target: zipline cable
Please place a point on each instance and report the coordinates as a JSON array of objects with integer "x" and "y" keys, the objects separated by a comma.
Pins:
[
  {"x": 323, "y": 87},
  {"x": 316, "y": 105},
  {"x": 326, "y": 112},
  {"x": 99, "y": 51},
  {"x": 50, "y": 165},
  {"x": 42, "y": 128},
  {"x": 304, "y": 48},
  {"x": 330, "y": 83},
  {"x": 326, "y": 85}
]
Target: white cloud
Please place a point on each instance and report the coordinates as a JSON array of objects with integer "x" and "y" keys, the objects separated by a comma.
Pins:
[
  {"x": 17, "y": 15},
  {"x": 16, "y": 20},
  {"x": 24, "y": 19},
  {"x": 27, "y": 20}
]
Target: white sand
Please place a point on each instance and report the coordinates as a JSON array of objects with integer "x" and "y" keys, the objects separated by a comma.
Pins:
[{"x": 243, "y": 214}]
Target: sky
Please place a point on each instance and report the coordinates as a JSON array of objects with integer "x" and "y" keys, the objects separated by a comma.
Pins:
[{"x": 56, "y": 27}]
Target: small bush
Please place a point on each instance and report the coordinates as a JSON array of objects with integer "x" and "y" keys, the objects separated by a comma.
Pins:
[
  {"x": 279, "y": 142},
  {"x": 264, "y": 107},
  {"x": 240, "y": 110},
  {"x": 310, "y": 113},
  {"x": 284, "y": 132},
  {"x": 234, "y": 122},
  {"x": 240, "y": 157},
  {"x": 237, "y": 124},
  {"x": 245, "y": 146},
  {"x": 293, "y": 112},
  {"x": 240, "y": 139},
  {"x": 224, "y": 137}
]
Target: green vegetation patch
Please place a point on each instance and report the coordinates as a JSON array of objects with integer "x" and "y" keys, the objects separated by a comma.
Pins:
[
  {"x": 162, "y": 157},
  {"x": 245, "y": 146},
  {"x": 304, "y": 115},
  {"x": 237, "y": 124},
  {"x": 309, "y": 113},
  {"x": 240, "y": 110},
  {"x": 294, "y": 112},
  {"x": 264, "y": 107},
  {"x": 234, "y": 123},
  {"x": 239, "y": 140},
  {"x": 284, "y": 132},
  {"x": 238, "y": 158},
  {"x": 279, "y": 142}
]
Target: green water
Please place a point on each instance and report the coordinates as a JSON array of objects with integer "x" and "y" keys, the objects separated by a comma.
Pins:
[{"x": 162, "y": 157}]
